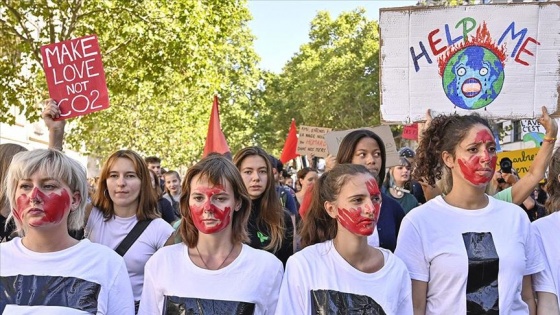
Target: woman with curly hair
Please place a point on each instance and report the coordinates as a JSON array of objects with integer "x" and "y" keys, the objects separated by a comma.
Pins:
[
  {"x": 270, "y": 226},
  {"x": 467, "y": 253}
]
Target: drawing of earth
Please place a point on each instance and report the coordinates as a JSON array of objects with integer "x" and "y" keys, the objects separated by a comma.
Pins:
[{"x": 473, "y": 77}]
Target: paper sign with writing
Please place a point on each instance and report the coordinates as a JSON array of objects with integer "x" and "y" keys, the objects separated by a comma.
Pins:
[
  {"x": 311, "y": 141},
  {"x": 501, "y": 61},
  {"x": 410, "y": 132},
  {"x": 334, "y": 138},
  {"x": 75, "y": 76},
  {"x": 522, "y": 159}
]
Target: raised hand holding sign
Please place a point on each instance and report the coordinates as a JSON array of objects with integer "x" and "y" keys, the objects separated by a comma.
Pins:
[{"x": 75, "y": 76}]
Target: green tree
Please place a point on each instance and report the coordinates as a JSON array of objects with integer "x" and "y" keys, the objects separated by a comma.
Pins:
[
  {"x": 164, "y": 61},
  {"x": 333, "y": 81}
]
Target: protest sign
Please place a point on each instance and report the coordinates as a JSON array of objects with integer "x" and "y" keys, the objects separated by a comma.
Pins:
[
  {"x": 334, "y": 138},
  {"x": 410, "y": 132},
  {"x": 521, "y": 159},
  {"x": 75, "y": 76},
  {"x": 501, "y": 61},
  {"x": 311, "y": 141}
]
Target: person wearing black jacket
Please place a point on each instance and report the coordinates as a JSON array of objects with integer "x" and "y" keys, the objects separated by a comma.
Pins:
[{"x": 270, "y": 226}]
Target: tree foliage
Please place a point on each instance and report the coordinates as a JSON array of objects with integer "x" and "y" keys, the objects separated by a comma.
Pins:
[
  {"x": 333, "y": 81},
  {"x": 164, "y": 61}
]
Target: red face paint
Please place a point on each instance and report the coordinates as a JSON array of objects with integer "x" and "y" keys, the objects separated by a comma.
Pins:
[
  {"x": 473, "y": 169},
  {"x": 361, "y": 221},
  {"x": 372, "y": 187},
  {"x": 51, "y": 208},
  {"x": 208, "y": 218}
]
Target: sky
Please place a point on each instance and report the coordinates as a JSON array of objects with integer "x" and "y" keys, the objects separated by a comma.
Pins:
[{"x": 282, "y": 26}]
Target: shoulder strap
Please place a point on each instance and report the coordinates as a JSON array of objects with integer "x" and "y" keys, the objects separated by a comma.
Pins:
[{"x": 132, "y": 236}]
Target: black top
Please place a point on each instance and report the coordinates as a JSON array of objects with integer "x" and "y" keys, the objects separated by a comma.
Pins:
[
  {"x": 260, "y": 234},
  {"x": 166, "y": 210}
]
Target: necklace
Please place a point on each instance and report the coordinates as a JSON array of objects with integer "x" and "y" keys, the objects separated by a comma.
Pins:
[
  {"x": 223, "y": 262},
  {"x": 400, "y": 191}
]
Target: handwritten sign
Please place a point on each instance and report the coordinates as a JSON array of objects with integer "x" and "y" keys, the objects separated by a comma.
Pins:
[
  {"x": 75, "y": 76},
  {"x": 311, "y": 141},
  {"x": 501, "y": 61},
  {"x": 334, "y": 138},
  {"x": 522, "y": 159},
  {"x": 410, "y": 132}
]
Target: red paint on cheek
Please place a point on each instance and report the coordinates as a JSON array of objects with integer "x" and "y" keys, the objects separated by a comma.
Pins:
[
  {"x": 480, "y": 168},
  {"x": 208, "y": 218},
  {"x": 353, "y": 219},
  {"x": 475, "y": 172},
  {"x": 52, "y": 206}
]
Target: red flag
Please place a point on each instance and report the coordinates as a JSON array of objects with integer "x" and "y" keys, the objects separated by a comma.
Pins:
[
  {"x": 215, "y": 140},
  {"x": 290, "y": 147}
]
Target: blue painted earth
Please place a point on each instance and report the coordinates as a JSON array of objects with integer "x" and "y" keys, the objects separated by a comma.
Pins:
[{"x": 473, "y": 77}]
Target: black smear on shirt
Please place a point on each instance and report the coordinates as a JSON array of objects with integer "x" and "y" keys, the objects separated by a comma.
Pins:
[
  {"x": 192, "y": 306},
  {"x": 333, "y": 302},
  {"x": 31, "y": 290},
  {"x": 482, "y": 280}
]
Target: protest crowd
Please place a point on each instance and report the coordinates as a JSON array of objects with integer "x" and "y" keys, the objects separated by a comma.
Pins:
[
  {"x": 440, "y": 226},
  {"x": 442, "y": 231}
]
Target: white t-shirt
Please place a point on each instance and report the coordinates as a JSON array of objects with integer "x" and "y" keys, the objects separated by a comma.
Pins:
[
  {"x": 546, "y": 233},
  {"x": 111, "y": 233},
  {"x": 86, "y": 278},
  {"x": 444, "y": 245},
  {"x": 251, "y": 281},
  {"x": 317, "y": 276},
  {"x": 373, "y": 239}
]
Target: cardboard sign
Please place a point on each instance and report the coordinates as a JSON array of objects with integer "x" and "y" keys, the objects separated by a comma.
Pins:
[
  {"x": 410, "y": 132},
  {"x": 75, "y": 76},
  {"x": 334, "y": 138},
  {"x": 522, "y": 159},
  {"x": 501, "y": 61},
  {"x": 311, "y": 141}
]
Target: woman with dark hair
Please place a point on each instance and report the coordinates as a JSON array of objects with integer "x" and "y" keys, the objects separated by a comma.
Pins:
[
  {"x": 270, "y": 227},
  {"x": 306, "y": 177},
  {"x": 547, "y": 282},
  {"x": 124, "y": 199},
  {"x": 45, "y": 270},
  {"x": 337, "y": 272},
  {"x": 467, "y": 253},
  {"x": 365, "y": 147},
  {"x": 398, "y": 185},
  {"x": 211, "y": 271}
]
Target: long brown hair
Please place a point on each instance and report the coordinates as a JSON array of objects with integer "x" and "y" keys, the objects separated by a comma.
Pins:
[
  {"x": 318, "y": 225},
  {"x": 147, "y": 199},
  {"x": 272, "y": 213},
  {"x": 552, "y": 187},
  {"x": 216, "y": 169}
]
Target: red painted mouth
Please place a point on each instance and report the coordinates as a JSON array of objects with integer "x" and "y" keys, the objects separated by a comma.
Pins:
[{"x": 471, "y": 87}]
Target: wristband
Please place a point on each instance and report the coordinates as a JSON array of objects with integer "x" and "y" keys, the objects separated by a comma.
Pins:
[{"x": 549, "y": 139}]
